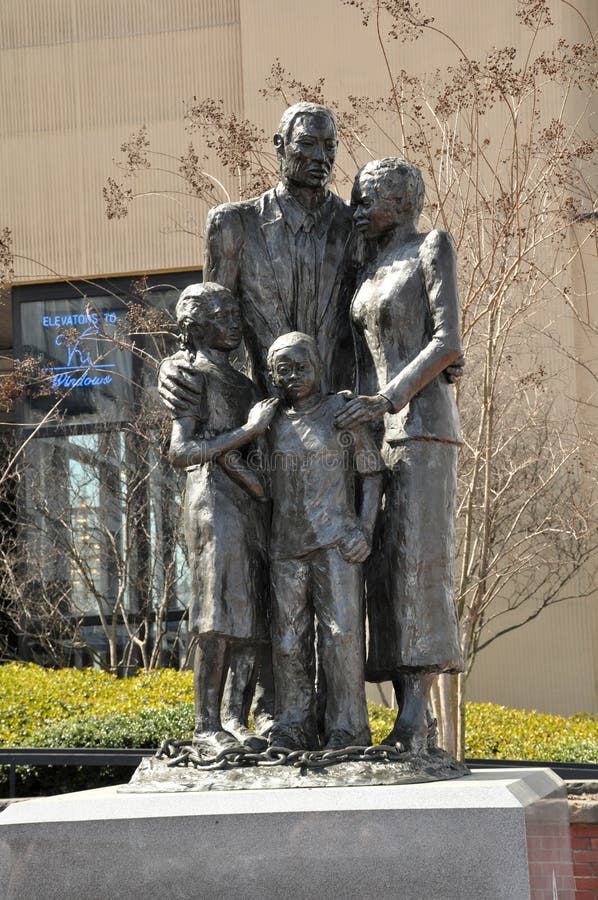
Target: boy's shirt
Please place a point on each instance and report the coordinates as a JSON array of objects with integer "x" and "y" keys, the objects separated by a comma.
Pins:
[{"x": 313, "y": 468}]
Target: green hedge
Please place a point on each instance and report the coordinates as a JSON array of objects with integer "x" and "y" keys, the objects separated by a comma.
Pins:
[
  {"x": 32, "y": 696},
  {"x": 497, "y": 732},
  {"x": 87, "y": 708}
]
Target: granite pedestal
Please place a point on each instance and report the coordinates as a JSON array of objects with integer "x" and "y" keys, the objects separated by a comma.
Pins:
[{"x": 500, "y": 835}]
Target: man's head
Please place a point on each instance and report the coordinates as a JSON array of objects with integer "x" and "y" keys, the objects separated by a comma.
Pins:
[
  {"x": 306, "y": 143},
  {"x": 295, "y": 365},
  {"x": 208, "y": 316}
]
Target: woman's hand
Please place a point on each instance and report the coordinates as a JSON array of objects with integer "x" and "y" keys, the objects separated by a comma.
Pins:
[
  {"x": 455, "y": 371},
  {"x": 261, "y": 415},
  {"x": 362, "y": 410}
]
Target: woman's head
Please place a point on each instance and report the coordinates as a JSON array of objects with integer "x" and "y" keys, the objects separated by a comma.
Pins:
[
  {"x": 208, "y": 315},
  {"x": 386, "y": 193}
]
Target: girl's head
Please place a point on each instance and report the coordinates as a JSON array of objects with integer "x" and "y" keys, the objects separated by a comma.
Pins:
[{"x": 208, "y": 316}]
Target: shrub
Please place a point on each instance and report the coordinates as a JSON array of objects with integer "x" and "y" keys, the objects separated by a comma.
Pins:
[
  {"x": 497, "y": 732},
  {"x": 146, "y": 728},
  {"x": 34, "y": 696}
]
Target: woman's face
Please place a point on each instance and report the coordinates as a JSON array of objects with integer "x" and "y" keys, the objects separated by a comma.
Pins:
[{"x": 374, "y": 215}]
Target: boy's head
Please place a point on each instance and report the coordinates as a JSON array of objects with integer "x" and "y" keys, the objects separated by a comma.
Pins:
[
  {"x": 208, "y": 316},
  {"x": 295, "y": 365}
]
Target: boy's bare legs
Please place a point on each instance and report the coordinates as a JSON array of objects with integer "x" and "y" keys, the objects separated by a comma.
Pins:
[{"x": 210, "y": 666}]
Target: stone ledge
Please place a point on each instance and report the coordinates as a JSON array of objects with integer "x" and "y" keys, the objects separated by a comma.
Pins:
[{"x": 498, "y": 834}]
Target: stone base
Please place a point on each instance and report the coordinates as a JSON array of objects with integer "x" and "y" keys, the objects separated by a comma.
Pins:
[
  {"x": 155, "y": 776},
  {"x": 498, "y": 835}
]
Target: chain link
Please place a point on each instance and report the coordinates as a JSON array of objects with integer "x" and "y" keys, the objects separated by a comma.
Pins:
[{"x": 181, "y": 753}]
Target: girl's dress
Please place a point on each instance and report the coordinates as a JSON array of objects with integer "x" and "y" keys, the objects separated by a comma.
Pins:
[{"x": 224, "y": 527}]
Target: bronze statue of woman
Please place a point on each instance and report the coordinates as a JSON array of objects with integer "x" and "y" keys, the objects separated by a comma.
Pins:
[{"x": 405, "y": 314}]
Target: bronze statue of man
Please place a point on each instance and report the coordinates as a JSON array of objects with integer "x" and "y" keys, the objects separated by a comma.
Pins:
[{"x": 282, "y": 255}]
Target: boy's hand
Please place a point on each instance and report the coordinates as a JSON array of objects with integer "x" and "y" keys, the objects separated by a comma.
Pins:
[
  {"x": 354, "y": 548},
  {"x": 261, "y": 415}
]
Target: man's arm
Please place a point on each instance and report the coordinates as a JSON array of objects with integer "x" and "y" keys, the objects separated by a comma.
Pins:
[
  {"x": 178, "y": 386},
  {"x": 224, "y": 246}
]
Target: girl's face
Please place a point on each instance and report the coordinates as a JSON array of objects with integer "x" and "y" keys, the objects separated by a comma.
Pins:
[{"x": 221, "y": 326}]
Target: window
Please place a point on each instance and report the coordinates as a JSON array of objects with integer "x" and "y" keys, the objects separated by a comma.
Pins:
[{"x": 99, "y": 507}]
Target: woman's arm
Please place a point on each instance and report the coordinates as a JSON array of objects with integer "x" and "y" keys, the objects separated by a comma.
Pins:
[{"x": 439, "y": 265}]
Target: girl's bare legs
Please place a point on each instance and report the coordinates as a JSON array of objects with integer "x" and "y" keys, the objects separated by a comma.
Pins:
[{"x": 210, "y": 667}]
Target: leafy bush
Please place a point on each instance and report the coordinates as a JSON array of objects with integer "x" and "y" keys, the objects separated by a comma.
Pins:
[
  {"x": 87, "y": 708},
  {"x": 497, "y": 732},
  {"x": 33, "y": 696},
  {"x": 381, "y": 721},
  {"x": 146, "y": 728}
]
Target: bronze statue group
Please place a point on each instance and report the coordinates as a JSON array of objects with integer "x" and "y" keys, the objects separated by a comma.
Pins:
[{"x": 334, "y": 494}]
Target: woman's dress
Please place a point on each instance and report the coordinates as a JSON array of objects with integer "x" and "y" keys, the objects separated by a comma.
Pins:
[{"x": 406, "y": 318}]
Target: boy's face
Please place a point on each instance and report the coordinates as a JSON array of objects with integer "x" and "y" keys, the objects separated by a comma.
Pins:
[
  {"x": 294, "y": 373},
  {"x": 221, "y": 329}
]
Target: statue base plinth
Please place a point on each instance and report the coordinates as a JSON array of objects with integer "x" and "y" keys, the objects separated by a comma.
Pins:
[
  {"x": 156, "y": 776},
  {"x": 501, "y": 834}
]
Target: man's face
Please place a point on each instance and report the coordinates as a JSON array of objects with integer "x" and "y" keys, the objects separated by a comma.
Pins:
[
  {"x": 293, "y": 372},
  {"x": 221, "y": 328},
  {"x": 308, "y": 155}
]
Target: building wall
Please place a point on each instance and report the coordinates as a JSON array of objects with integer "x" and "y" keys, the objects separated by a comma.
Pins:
[{"x": 77, "y": 78}]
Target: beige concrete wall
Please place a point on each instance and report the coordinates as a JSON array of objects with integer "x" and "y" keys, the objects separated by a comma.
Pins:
[
  {"x": 75, "y": 80},
  {"x": 77, "y": 77}
]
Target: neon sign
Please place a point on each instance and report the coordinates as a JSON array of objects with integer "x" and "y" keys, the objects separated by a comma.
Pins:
[{"x": 82, "y": 357}]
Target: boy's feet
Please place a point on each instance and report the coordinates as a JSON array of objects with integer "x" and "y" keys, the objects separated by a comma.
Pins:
[
  {"x": 289, "y": 737},
  {"x": 242, "y": 733},
  {"x": 211, "y": 743}
]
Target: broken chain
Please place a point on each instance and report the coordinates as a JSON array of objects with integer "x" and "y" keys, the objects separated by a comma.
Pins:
[{"x": 182, "y": 753}]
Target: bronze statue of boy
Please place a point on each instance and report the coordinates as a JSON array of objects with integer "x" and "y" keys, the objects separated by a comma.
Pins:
[{"x": 320, "y": 534}]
